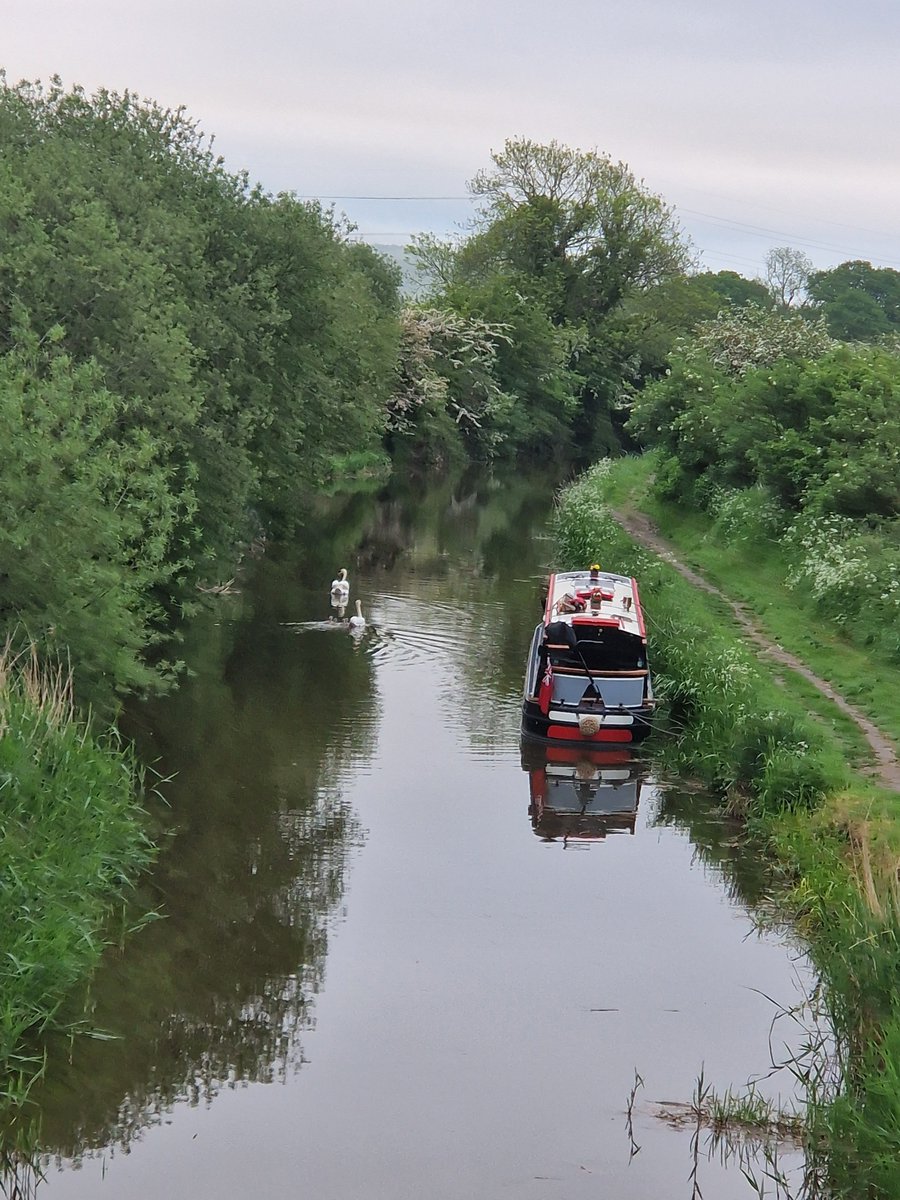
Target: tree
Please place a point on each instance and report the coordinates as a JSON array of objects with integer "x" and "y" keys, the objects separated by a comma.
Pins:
[
  {"x": 858, "y": 301},
  {"x": 445, "y": 390},
  {"x": 819, "y": 433},
  {"x": 573, "y": 224},
  {"x": 565, "y": 240},
  {"x": 700, "y": 412},
  {"x": 787, "y": 273},
  {"x": 181, "y": 355},
  {"x": 734, "y": 289},
  {"x": 86, "y": 522},
  {"x": 649, "y": 323},
  {"x": 535, "y": 367}
]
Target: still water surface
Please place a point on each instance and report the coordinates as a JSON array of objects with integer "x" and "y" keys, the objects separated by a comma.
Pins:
[{"x": 374, "y": 979}]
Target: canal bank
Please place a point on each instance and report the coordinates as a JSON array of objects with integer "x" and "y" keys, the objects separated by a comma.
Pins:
[{"x": 830, "y": 832}]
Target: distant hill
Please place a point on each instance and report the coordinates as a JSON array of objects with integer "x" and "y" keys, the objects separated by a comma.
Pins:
[{"x": 411, "y": 284}]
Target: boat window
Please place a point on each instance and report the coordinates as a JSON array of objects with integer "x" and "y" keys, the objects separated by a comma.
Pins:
[{"x": 611, "y": 649}]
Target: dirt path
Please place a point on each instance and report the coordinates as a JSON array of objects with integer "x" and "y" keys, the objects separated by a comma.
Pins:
[{"x": 886, "y": 769}]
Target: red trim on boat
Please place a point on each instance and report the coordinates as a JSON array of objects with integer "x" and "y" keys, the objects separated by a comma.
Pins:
[
  {"x": 545, "y": 691},
  {"x": 638, "y": 609},
  {"x": 591, "y": 593},
  {"x": 538, "y": 785},
  {"x": 570, "y": 733},
  {"x": 548, "y": 607}
]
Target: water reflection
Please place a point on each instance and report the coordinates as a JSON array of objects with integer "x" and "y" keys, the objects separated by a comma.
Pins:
[
  {"x": 287, "y": 739},
  {"x": 339, "y": 604},
  {"x": 728, "y": 848},
  {"x": 219, "y": 992},
  {"x": 257, "y": 832},
  {"x": 579, "y": 796},
  {"x": 20, "y": 1158}
]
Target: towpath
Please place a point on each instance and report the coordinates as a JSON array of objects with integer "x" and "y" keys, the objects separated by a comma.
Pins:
[{"x": 886, "y": 768}]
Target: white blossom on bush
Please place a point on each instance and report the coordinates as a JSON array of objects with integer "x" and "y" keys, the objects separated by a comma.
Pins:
[
  {"x": 748, "y": 337},
  {"x": 745, "y": 514},
  {"x": 463, "y": 347},
  {"x": 828, "y": 559}
]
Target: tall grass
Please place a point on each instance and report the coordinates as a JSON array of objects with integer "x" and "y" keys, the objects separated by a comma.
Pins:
[
  {"x": 844, "y": 898},
  {"x": 740, "y": 541},
  {"x": 71, "y": 840}
]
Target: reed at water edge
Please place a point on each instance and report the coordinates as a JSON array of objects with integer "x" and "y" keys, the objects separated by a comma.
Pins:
[
  {"x": 833, "y": 836},
  {"x": 72, "y": 840}
]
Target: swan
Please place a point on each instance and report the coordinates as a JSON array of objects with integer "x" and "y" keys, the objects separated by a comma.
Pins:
[
  {"x": 340, "y": 587},
  {"x": 358, "y": 621}
]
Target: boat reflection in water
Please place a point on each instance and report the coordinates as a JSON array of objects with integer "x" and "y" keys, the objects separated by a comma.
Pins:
[{"x": 580, "y": 795}]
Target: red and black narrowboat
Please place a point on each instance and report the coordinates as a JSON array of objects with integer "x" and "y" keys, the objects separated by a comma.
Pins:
[{"x": 587, "y": 679}]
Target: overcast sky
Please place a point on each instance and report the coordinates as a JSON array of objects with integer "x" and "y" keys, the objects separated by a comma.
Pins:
[{"x": 765, "y": 123}]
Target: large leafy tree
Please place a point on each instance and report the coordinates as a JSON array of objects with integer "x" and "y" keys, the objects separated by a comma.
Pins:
[
  {"x": 446, "y": 397},
  {"x": 564, "y": 238},
  {"x": 733, "y": 289},
  {"x": 328, "y": 367},
  {"x": 647, "y": 326},
  {"x": 574, "y": 225},
  {"x": 779, "y": 404},
  {"x": 87, "y": 519},
  {"x": 859, "y": 302},
  {"x": 534, "y": 365},
  {"x": 217, "y": 312}
]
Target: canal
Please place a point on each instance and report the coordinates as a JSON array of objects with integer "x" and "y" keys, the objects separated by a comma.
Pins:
[{"x": 384, "y": 967}]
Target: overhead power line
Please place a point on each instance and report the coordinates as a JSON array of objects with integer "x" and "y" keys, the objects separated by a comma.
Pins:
[
  {"x": 784, "y": 212},
  {"x": 321, "y": 197},
  {"x": 764, "y": 231},
  {"x": 744, "y": 227}
]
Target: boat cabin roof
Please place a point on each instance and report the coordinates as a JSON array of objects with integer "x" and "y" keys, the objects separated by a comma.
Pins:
[{"x": 595, "y": 600}]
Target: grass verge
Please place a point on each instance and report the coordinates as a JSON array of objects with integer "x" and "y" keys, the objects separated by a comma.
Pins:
[{"x": 834, "y": 835}]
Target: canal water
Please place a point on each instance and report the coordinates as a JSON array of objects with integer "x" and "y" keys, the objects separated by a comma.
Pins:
[{"x": 390, "y": 962}]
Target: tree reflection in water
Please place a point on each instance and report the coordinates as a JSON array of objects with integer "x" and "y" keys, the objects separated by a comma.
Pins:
[
  {"x": 256, "y": 831},
  {"x": 248, "y": 883}
]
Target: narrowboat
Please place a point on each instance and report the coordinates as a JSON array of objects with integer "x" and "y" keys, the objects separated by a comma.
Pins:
[
  {"x": 587, "y": 679},
  {"x": 579, "y": 796}
]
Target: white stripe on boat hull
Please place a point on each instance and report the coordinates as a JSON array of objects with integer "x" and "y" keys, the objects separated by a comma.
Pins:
[{"x": 570, "y": 718}]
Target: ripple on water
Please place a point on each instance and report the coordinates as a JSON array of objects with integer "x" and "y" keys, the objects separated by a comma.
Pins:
[{"x": 409, "y": 632}]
